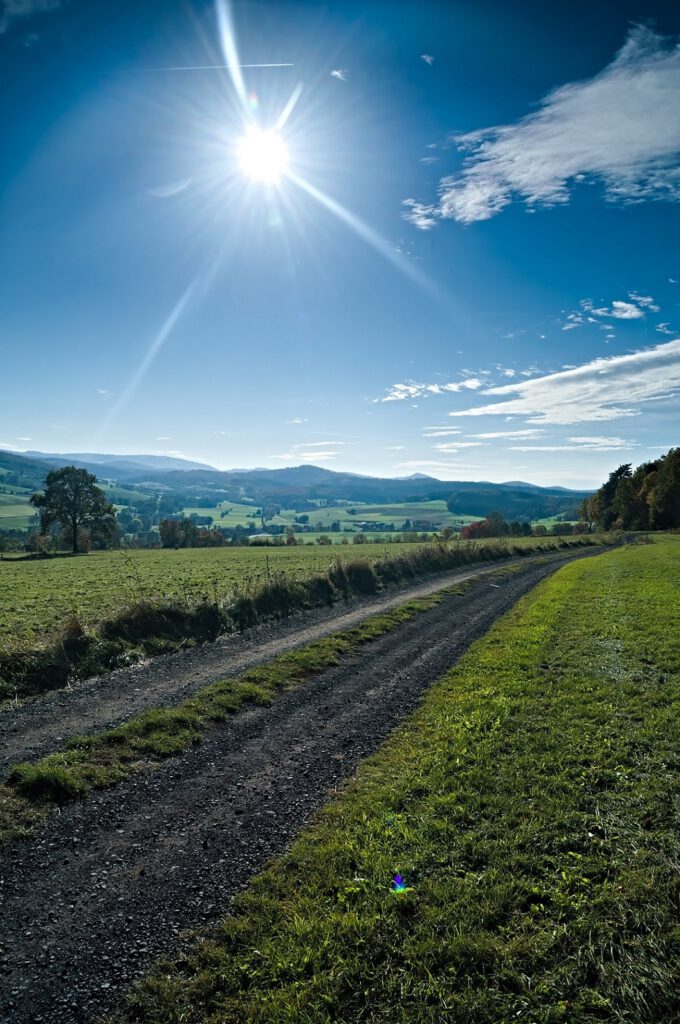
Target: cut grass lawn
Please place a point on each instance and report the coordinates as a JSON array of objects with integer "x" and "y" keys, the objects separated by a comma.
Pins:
[
  {"x": 531, "y": 807},
  {"x": 105, "y": 758}
]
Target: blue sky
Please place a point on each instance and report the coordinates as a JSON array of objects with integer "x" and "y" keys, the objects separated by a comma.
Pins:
[{"x": 469, "y": 267}]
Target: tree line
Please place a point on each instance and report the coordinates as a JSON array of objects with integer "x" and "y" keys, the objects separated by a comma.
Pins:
[{"x": 647, "y": 498}]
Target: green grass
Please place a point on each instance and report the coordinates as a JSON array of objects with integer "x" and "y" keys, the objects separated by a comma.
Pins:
[
  {"x": 532, "y": 808},
  {"x": 38, "y": 597},
  {"x": 103, "y": 759},
  {"x": 435, "y": 513}
]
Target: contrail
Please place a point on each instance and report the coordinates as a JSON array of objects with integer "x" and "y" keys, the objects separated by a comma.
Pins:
[{"x": 200, "y": 67}]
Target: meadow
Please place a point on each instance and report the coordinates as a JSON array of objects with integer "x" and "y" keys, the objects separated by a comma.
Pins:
[
  {"x": 15, "y": 511},
  {"x": 433, "y": 515},
  {"x": 38, "y": 596},
  {"x": 529, "y": 813}
]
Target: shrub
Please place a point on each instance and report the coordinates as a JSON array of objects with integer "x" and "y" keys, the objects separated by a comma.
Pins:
[{"x": 361, "y": 577}]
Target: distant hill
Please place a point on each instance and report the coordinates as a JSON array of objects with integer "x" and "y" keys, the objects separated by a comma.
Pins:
[
  {"x": 296, "y": 486},
  {"x": 125, "y": 463}
]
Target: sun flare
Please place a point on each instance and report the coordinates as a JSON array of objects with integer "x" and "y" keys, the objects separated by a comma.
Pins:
[{"x": 263, "y": 156}]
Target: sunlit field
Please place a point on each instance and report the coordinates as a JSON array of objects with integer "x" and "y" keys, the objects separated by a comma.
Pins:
[
  {"x": 37, "y": 597},
  {"x": 527, "y": 811}
]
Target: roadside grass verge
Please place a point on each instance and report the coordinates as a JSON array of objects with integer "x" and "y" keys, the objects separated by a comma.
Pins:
[
  {"x": 531, "y": 806},
  {"x": 103, "y": 759},
  {"x": 147, "y": 628}
]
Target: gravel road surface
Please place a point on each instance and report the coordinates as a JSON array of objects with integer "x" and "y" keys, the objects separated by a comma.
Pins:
[
  {"x": 40, "y": 726},
  {"x": 109, "y": 884}
]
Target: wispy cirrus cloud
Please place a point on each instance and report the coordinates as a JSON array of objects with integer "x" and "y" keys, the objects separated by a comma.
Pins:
[
  {"x": 603, "y": 389},
  {"x": 453, "y": 446},
  {"x": 440, "y": 433},
  {"x": 620, "y": 128},
  {"x": 498, "y": 434},
  {"x": 428, "y": 58},
  {"x": 340, "y": 74},
  {"x": 579, "y": 444},
  {"x": 414, "y": 389}
]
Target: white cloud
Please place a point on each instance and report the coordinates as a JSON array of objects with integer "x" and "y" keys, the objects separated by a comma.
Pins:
[
  {"x": 620, "y": 127},
  {"x": 396, "y": 448},
  {"x": 422, "y": 215},
  {"x": 509, "y": 373},
  {"x": 613, "y": 442},
  {"x": 428, "y": 160},
  {"x": 510, "y": 433},
  {"x": 620, "y": 310},
  {"x": 453, "y": 446},
  {"x": 163, "y": 438},
  {"x": 664, "y": 328},
  {"x": 580, "y": 444},
  {"x": 317, "y": 456},
  {"x": 297, "y": 420},
  {"x": 414, "y": 389},
  {"x": 440, "y": 433},
  {"x": 13, "y": 10},
  {"x": 104, "y": 392},
  {"x": 324, "y": 444},
  {"x": 644, "y": 300},
  {"x": 428, "y": 58},
  {"x": 604, "y": 389},
  {"x": 340, "y": 74}
]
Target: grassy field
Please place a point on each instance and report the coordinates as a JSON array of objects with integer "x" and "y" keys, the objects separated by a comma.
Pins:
[
  {"x": 350, "y": 516},
  {"x": 38, "y": 596},
  {"x": 531, "y": 809},
  {"x": 15, "y": 511}
]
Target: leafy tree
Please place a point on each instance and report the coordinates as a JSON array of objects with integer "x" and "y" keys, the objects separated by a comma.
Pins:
[
  {"x": 664, "y": 493},
  {"x": 587, "y": 512},
  {"x": 629, "y": 508},
  {"x": 169, "y": 531},
  {"x": 605, "y": 512},
  {"x": 72, "y": 499}
]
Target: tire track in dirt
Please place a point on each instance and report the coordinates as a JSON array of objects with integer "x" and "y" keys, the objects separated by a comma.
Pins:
[
  {"x": 38, "y": 727},
  {"x": 109, "y": 884}
]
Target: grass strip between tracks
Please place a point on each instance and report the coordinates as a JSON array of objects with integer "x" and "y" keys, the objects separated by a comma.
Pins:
[
  {"x": 103, "y": 759},
  {"x": 531, "y": 808}
]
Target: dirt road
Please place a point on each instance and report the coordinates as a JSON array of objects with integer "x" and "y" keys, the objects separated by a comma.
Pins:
[
  {"x": 108, "y": 885},
  {"x": 38, "y": 727}
]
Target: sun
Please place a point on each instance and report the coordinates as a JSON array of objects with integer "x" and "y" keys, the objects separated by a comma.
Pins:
[{"x": 263, "y": 156}]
